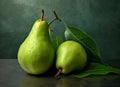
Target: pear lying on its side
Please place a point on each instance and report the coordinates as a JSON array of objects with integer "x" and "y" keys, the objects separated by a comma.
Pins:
[
  {"x": 71, "y": 56},
  {"x": 36, "y": 53}
]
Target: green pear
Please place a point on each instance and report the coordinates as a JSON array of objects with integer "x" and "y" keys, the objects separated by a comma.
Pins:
[
  {"x": 36, "y": 53},
  {"x": 71, "y": 56}
]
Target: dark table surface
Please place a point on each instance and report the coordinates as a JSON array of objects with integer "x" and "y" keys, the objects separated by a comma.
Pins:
[{"x": 11, "y": 75}]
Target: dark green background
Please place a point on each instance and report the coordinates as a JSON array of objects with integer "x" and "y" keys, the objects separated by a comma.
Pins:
[{"x": 99, "y": 18}]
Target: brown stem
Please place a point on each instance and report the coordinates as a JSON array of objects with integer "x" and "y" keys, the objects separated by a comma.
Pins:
[
  {"x": 55, "y": 18},
  {"x": 58, "y": 73},
  {"x": 52, "y": 21},
  {"x": 55, "y": 34},
  {"x": 42, "y": 15}
]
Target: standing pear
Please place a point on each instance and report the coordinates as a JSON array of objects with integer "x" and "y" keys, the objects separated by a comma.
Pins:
[
  {"x": 71, "y": 56},
  {"x": 36, "y": 53}
]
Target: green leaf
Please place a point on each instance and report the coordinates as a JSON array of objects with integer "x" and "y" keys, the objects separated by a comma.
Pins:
[
  {"x": 72, "y": 33},
  {"x": 56, "y": 42},
  {"x": 97, "y": 69}
]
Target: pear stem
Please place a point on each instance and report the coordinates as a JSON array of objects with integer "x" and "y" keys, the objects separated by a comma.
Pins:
[
  {"x": 42, "y": 15},
  {"x": 55, "y": 18},
  {"x": 55, "y": 34},
  {"x": 58, "y": 73}
]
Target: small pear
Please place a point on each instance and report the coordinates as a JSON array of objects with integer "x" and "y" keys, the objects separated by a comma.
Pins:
[
  {"x": 71, "y": 56},
  {"x": 36, "y": 53}
]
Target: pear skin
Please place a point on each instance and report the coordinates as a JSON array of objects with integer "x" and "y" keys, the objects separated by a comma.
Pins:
[
  {"x": 71, "y": 56},
  {"x": 36, "y": 53}
]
